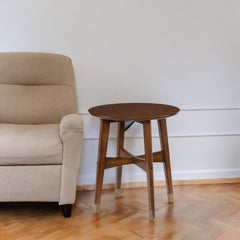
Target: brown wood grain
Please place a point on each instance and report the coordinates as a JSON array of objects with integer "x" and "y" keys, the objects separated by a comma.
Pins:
[
  {"x": 162, "y": 126},
  {"x": 199, "y": 212},
  {"x": 102, "y": 151},
  {"x": 147, "y": 132},
  {"x": 143, "y": 113},
  {"x": 120, "y": 145},
  {"x": 133, "y": 111}
]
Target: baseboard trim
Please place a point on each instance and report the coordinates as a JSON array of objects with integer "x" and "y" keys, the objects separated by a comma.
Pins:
[{"x": 162, "y": 183}]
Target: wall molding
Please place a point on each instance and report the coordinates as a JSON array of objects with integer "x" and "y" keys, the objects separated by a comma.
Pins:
[
  {"x": 162, "y": 183},
  {"x": 200, "y": 139},
  {"x": 177, "y": 176},
  {"x": 210, "y": 109},
  {"x": 180, "y": 136},
  {"x": 189, "y": 123}
]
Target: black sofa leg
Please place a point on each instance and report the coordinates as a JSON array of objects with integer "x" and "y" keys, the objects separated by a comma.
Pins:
[{"x": 67, "y": 210}]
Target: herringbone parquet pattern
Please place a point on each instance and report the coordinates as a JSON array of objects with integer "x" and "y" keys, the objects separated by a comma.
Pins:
[{"x": 200, "y": 212}]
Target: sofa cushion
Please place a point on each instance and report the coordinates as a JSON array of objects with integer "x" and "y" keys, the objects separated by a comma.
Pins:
[
  {"x": 30, "y": 144},
  {"x": 36, "y": 88}
]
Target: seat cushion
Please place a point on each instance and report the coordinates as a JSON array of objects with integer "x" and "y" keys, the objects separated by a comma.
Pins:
[{"x": 30, "y": 144}]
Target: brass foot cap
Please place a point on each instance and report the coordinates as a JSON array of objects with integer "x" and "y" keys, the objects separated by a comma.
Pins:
[
  {"x": 170, "y": 198},
  {"x": 117, "y": 193},
  {"x": 152, "y": 215},
  {"x": 96, "y": 208}
]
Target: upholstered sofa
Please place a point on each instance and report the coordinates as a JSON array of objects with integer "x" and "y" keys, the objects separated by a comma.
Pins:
[{"x": 40, "y": 131}]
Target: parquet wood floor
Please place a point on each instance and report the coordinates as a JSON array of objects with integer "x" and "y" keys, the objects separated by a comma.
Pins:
[{"x": 200, "y": 212}]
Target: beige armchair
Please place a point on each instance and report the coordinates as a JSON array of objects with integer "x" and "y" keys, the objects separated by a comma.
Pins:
[{"x": 40, "y": 131}]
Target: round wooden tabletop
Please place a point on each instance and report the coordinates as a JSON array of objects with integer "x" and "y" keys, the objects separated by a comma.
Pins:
[{"x": 133, "y": 111}]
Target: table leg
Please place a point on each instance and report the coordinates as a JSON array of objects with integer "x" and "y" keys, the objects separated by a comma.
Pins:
[
  {"x": 102, "y": 151},
  {"x": 120, "y": 144},
  {"x": 149, "y": 166},
  {"x": 162, "y": 127}
]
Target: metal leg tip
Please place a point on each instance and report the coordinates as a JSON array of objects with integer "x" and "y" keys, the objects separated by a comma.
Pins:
[
  {"x": 152, "y": 215},
  {"x": 170, "y": 198},
  {"x": 117, "y": 193},
  {"x": 96, "y": 208}
]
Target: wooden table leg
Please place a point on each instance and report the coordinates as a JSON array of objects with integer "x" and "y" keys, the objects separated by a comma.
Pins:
[
  {"x": 162, "y": 127},
  {"x": 120, "y": 144},
  {"x": 102, "y": 151},
  {"x": 149, "y": 166}
]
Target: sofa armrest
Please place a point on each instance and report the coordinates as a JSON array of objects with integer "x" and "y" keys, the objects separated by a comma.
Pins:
[
  {"x": 71, "y": 134},
  {"x": 70, "y": 123}
]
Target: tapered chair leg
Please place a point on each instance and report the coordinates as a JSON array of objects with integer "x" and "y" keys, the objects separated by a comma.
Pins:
[
  {"x": 162, "y": 126},
  {"x": 120, "y": 144},
  {"x": 102, "y": 151},
  {"x": 149, "y": 167},
  {"x": 66, "y": 210}
]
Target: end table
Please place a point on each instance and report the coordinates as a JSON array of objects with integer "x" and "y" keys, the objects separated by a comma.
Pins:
[{"x": 142, "y": 113}]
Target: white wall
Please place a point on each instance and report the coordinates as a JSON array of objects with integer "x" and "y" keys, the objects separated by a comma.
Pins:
[{"x": 185, "y": 53}]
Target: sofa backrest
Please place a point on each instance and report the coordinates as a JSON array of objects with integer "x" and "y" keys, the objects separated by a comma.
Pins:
[{"x": 36, "y": 88}]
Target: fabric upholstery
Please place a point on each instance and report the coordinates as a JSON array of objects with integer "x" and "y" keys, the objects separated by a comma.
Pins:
[
  {"x": 30, "y": 144},
  {"x": 30, "y": 183},
  {"x": 40, "y": 132},
  {"x": 71, "y": 134},
  {"x": 35, "y": 69},
  {"x": 36, "y": 88},
  {"x": 36, "y": 104},
  {"x": 71, "y": 123}
]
